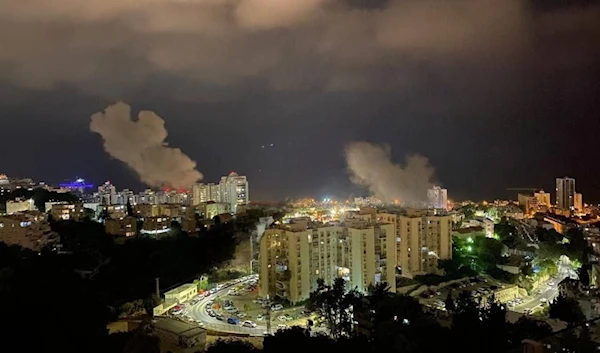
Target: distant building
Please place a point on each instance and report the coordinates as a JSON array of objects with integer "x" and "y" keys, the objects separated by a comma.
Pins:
[
  {"x": 126, "y": 226},
  {"x": 543, "y": 198},
  {"x": 156, "y": 225},
  {"x": 116, "y": 211},
  {"x": 29, "y": 230},
  {"x": 19, "y": 205},
  {"x": 211, "y": 209},
  {"x": 146, "y": 210},
  {"x": 205, "y": 193},
  {"x": 437, "y": 198},
  {"x": 67, "y": 211},
  {"x": 106, "y": 192},
  {"x": 528, "y": 202},
  {"x": 234, "y": 190},
  {"x": 565, "y": 193},
  {"x": 578, "y": 202}
]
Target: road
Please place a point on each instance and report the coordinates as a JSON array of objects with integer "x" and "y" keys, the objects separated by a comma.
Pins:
[
  {"x": 198, "y": 312},
  {"x": 548, "y": 292}
]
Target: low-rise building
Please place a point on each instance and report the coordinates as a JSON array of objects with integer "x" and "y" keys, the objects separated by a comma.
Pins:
[
  {"x": 28, "y": 230},
  {"x": 182, "y": 293},
  {"x": 147, "y": 210},
  {"x": 177, "y": 336},
  {"x": 126, "y": 226},
  {"x": 211, "y": 209},
  {"x": 19, "y": 205},
  {"x": 116, "y": 211},
  {"x": 156, "y": 225},
  {"x": 67, "y": 211}
]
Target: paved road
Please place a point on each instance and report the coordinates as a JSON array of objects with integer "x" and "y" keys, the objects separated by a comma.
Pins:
[
  {"x": 198, "y": 312},
  {"x": 548, "y": 292}
]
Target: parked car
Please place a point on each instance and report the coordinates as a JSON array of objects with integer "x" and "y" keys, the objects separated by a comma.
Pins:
[
  {"x": 242, "y": 315},
  {"x": 282, "y": 318},
  {"x": 211, "y": 313},
  {"x": 281, "y": 327},
  {"x": 260, "y": 318},
  {"x": 276, "y": 307},
  {"x": 233, "y": 321},
  {"x": 249, "y": 323},
  {"x": 220, "y": 317}
]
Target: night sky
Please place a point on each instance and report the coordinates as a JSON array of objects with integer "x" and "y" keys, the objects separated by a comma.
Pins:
[{"x": 495, "y": 94}]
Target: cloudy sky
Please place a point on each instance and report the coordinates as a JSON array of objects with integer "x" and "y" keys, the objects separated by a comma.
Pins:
[{"x": 495, "y": 93}]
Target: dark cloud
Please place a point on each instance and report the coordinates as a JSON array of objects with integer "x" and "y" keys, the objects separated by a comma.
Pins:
[{"x": 467, "y": 83}]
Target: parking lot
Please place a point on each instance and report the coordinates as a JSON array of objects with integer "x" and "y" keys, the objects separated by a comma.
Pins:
[
  {"x": 235, "y": 307},
  {"x": 480, "y": 287}
]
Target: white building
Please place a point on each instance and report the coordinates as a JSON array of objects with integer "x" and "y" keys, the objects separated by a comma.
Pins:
[
  {"x": 106, "y": 193},
  {"x": 18, "y": 205},
  {"x": 205, "y": 192},
  {"x": 234, "y": 190},
  {"x": 437, "y": 198},
  {"x": 565, "y": 193}
]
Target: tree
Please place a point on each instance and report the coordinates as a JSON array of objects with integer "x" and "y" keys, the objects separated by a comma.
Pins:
[
  {"x": 334, "y": 306},
  {"x": 231, "y": 346},
  {"x": 449, "y": 302},
  {"x": 584, "y": 275},
  {"x": 566, "y": 309},
  {"x": 130, "y": 212},
  {"x": 143, "y": 340},
  {"x": 526, "y": 327}
]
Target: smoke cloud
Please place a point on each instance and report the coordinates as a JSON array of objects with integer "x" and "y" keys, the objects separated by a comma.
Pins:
[
  {"x": 286, "y": 44},
  {"x": 141, "y": 145},
  {"x": 372, "y": 166},
  {"x": 262, "y": 225}
]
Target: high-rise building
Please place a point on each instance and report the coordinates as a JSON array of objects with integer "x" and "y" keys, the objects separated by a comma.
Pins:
[
  {"x": 293, "y": 257},
  {"x": 205, "y": 193},
  {"x": 106, "y": 192},
  {"x": 422, "y": 240},
  {"x": 578, "y": 203},
  {"x": 437, "y": 198},
  {"x": 565, "y": 193},
  {"x": 234, "y": 190},
  {"x": 543, "y": 198}
]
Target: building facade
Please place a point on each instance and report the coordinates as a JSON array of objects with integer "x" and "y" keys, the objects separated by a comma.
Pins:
[
  {"x": 565, "y": 193},
  {"x": 422, "y": 240},
  {"x": 578, "y": 203},
  {"x": 29, "y": 230},
  {"x": 543, "y": 198},
  {"x": 67, "y": 211},
  {"x": 126, "y": 226},
  {"x": 234, "y": 190},
  {"x": 293, "y": 257},
  {"x": 437, "y": 198}
]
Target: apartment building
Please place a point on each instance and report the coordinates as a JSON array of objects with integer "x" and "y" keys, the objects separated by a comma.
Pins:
[
  {"x": 126, "y": 226},
  {"x": 67, "y": 211},
  {"x": 293, "y": 257},
  {"x": 421, "y": 240},
  {"x": 285, "y": 261},
  {"x": 28, "y": 229}
]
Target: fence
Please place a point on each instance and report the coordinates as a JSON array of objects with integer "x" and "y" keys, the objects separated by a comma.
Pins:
[{"x": 235, "y": 329}]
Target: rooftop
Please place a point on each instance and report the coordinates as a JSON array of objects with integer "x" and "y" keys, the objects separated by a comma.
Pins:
[
  {"x": 181, "y": 288},
  {"x": 178, "y": 327}
]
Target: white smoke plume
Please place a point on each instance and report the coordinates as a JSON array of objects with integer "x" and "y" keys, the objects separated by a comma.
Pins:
[
  {"x": 141, "y": 145},
  {"x": 372, "y": 166},
  {"x": 262, "y": 225}
]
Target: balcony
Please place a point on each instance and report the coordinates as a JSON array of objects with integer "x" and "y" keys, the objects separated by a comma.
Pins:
[{"x": 283, "y": 276}]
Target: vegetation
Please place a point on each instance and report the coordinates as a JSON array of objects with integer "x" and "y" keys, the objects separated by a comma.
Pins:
[
  {"x": 64, "y": 301},
  {"x": 566, "y": 309}
]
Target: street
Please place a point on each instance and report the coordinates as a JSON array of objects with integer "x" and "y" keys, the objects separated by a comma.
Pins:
[{"x": 546, "y": 294}]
